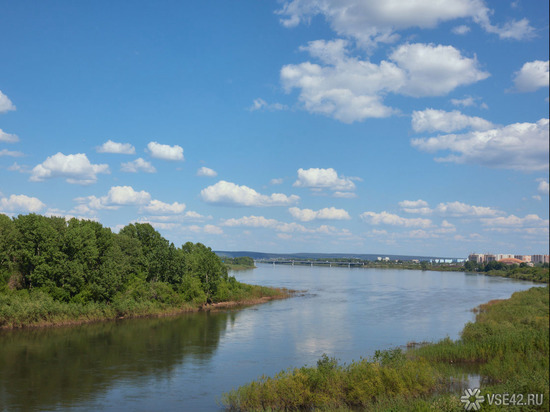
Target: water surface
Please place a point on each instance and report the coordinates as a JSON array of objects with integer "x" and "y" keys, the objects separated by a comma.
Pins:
[{"x": 185, "y": 363}]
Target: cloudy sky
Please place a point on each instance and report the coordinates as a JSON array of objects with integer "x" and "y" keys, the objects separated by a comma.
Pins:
[{"x": 395, "y": 127}]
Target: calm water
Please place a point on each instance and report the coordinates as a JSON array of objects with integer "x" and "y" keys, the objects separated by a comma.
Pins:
[{"x": 185, "y": 363}]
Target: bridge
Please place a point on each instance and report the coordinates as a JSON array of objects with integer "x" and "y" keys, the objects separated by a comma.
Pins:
[{"x": 328, "y": 263}]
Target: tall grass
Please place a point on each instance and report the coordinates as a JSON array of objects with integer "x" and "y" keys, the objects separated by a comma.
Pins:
[{"x": 508, "y": 343}]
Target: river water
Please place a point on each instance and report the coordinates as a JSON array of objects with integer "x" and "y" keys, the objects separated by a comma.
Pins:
[{"x": 185, "y": 363}]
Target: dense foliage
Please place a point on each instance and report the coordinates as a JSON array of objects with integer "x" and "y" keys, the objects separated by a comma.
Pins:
[
  {"x": 507, "y": 345},
  {"x": 240, "y": 262},
  {"x": 51, "y": 268}
]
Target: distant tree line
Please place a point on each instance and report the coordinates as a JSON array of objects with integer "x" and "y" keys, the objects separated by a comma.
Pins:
[
  {"x": 82, "y": 261},
  {"x": 537, "y": 273}
]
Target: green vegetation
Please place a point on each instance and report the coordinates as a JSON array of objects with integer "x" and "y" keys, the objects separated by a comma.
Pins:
[
  {"x": 508, "y": 344},
  {"x": 238, "y": 263},
  {"x": 54, "y": 271}
]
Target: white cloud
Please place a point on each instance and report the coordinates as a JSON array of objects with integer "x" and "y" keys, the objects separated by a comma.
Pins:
[
  {"x": 11, "y": 153},
  {"x": 512, "y": 221},
  {"x": 212, "y": 230},
  {"x": 5, "y": 103},
  {"x": 126, "y": 195},
  {"x": 515, "y": 29},
  {"x": 328, "y": 213},
  {"x": 165, "y": 152},
  {"x": 231, "y": 194},
  {"x": 276, "y": 181},
  {"x": 278, "y": 226},
  {"x": 415, "y": 206},
  {"x": 519, "y": 146},
  {"x": 435, "y": 70},
  {"x": 371, "y": 21},
  {"x": 544, "y": 187},
  {"x": 431, "y": 120},
  {"x": 465, "y": 102},
  {"x": 205, "y": 171},
  {"x": 350, "y": 89},
  {"x": 394, "y": 220},
  {"x": 116, "y": 197},
  {"x": 458, "y": 209},
  {"x": 21, "y": 203},
  {"x": 532, "y": 76},
  {"x": 7, "y": 137},
  {"x": 316, "y": 178},
  {"x": 158, "y": 207},
  {"x": 138, "y": 165},
  {"x": 461, "y": 30},
  {"x": 74, "y": 168},
  {"x": 260, "y": 104},
  {"x": 113, "y": 147}
]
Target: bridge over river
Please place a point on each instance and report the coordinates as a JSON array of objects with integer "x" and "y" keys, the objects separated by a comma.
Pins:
[{"x": 328, "y": 263}]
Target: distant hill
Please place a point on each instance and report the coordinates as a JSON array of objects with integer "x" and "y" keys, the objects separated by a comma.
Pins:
[{"x": 261, "y": 255}]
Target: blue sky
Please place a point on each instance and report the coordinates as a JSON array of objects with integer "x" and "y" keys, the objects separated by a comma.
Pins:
[{"x": 397, "y": 127}]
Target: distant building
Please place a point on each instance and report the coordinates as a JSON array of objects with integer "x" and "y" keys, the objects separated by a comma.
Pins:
[
  {"x": 476, "y": 257},
  {"x": 523, "y": 258},
  {"x": 510, "y": 261},
  {"x": 540, "y": 259}
]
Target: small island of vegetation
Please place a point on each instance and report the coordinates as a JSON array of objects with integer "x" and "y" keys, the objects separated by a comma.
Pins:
[
  {"x": 54, "y": 271},
  {"x": 238, "y": 263}
]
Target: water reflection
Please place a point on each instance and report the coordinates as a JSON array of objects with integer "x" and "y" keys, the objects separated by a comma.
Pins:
[{"x": 42, "y": 368}]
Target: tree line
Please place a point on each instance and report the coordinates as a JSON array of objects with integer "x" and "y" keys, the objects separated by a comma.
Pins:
[{"x": 82, "y": 261}]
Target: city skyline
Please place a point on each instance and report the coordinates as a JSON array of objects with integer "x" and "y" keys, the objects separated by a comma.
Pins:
[{"x": 337, "y": 127}]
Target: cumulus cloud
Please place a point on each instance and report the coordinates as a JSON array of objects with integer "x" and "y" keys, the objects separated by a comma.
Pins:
[
  {"x": 11, "y": 153},
  {"x": 261, "y": 104},
  {"x": 158, "y": 207},
  {"x": 165, "y": 152},
  {"x": 281, "y": 227},
  {"x": 116, "y": 197},
  {"x": 205, "y": 171},
  {"x": 316, "y": 178},
  {"x": 7, "y": 137},
  {"x": 21, "y": 203},
  {"x": 519, "y": 146},
  {"x": 431, "y": 120},
  {"x": 370, "y": 22},
  {"x": 532, "y": 76},
  {"x": 138, "y": 165},
  {"x": 74, "y": 168},
  {"x": 544, "y": 187},
  {"x": 415, "y": 206},
  {"x": 350, "y": 89},
  {"x": 212, "y": 230},
  {"x": 276, "y": 181},
  {"x": 5, "y": 103},
  {"x": 459, "y": 209},
  {"x": 512, "y": 221},
  {"x": 231, "y": 194},
  {"x": 386, "y": 218},
  {"x": 113, "y": 147},
  {"x": 328, "y": 213}
]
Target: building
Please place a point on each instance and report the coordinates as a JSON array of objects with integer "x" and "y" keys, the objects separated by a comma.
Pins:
[
  {"x": 540, "y": 259},
  {"x": 511, "y": 261},
  {"x": 523, "y": 258}
]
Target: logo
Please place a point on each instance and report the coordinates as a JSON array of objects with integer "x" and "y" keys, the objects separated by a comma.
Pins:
[{"x": 472, "y": 399}]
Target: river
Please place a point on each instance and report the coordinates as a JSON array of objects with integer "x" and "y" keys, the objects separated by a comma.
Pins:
[{"x": 184, "y": 363}]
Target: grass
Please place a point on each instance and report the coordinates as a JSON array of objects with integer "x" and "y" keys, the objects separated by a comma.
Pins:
[
  {"x": 508, "y": 344},
  {"x": 33, "y": 308}
]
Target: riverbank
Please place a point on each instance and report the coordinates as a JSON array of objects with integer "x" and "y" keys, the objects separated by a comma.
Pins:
[
  {"x": 508, "y": 345},
  {"x": 31, "y": 309}
]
